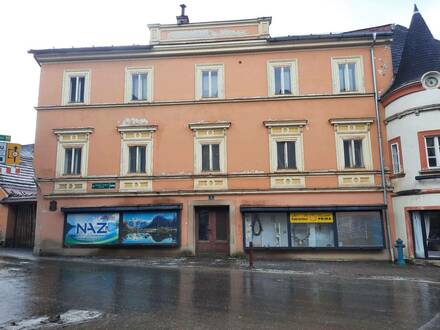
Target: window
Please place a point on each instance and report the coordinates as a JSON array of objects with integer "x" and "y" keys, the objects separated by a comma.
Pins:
[
  {"x": 347, "y": 75},
  {"x": 286, "y": 158},
  {"x": 353, "y": 153},
  {"x": 210, "y": 157},
  {"x": 209, "y": 81},
  {"x": 72, "y": 161},
  {"x": 137, "y": 158},
  {"x": 313, "y": 229},
  {"x": 282, "y": 78},
  {"x": 395, "y": 158},
  {"x": 136, "y": 149},
  {"x": 138, "y": 84},
  {"x": 433, "y": 151},
  {"x": 353, "y": 147},
  {"x": 359, "y": 229},
  {"x": 76, "y": 87},
  {"x": 72, "y": 151}
]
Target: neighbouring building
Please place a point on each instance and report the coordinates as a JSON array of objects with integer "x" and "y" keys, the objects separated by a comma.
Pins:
[
  {"x": 212, "y": 136},
  {"x": 412, "y": 110},
  {"x": 18, "y": 199}
]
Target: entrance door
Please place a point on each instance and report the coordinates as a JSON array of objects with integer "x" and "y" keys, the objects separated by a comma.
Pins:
[
  {"x": 426, "y": 233},
  {"x": 24, "y": 228},
  {"x": 212, "y": 231}
]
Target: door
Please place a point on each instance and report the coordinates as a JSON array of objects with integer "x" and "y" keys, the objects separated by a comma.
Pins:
[
  {"x": 24, "y": 228},
  {"x": 212, "y": 231}
]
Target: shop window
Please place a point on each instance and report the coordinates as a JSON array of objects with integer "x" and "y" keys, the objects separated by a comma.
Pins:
[
  {"x": 76, "y": 87},
  {"x": 426, "y": 234},
  {"x": 312, "y": 235},
  {"x": 359, "y": 229},
  {"x": 267, "y": 230}
]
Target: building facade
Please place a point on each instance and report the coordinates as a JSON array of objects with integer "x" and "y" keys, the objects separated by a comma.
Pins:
[
  {"x": 213, "y": 136},
  {"x": 412, "y": 119}
]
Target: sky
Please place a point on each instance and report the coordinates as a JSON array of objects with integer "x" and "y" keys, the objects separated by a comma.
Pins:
[{"x": 39, "y": 24}]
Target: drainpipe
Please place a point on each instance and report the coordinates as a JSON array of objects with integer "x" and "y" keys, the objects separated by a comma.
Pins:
[{"x": 379, "y": 140}]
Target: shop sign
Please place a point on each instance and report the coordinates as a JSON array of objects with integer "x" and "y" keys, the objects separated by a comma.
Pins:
[
  {"x": 12, "y": 154},
  {"x": 6, "y": 138},
  {"x": 2, "y": 152},
  {"x": 311, "y": 217},
  {"x": 92, "y": 229},
  {"x": 149, "y": 228},
  {"x": 103, "y": 185}
]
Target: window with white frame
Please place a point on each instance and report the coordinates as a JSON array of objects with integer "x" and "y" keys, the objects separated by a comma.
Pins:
[
  {"x": 353, "y": 155},
  {"x": 136, "y": 150},
  {"x": 138, "y": 84},
  {"x": 210, "y": 157},
  {"x": 347, "y": 75},
  {"x": 286, "y": 145},
  {"x": 72, "y": 151},
  {"x": 76, "y": 87},
  {"x": 72, "y": 161},
  {"x": 353, "y": 146},
  {"x": 433, "y": 151},
  {"x": 286, "y": 156},
  {"x": 209, "y": 81},
  {"x": 210, "y": 147},
  {"x": 282, "y": 77},
  {"x": 137, "y": 159},
  {"x": 395, "y": 158}
]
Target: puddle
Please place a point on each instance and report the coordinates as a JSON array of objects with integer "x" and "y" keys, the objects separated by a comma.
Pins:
[{"x": 68, "y": 318}]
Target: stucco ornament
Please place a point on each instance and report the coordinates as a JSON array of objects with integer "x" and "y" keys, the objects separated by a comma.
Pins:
[{"x": 134, "y": 122}]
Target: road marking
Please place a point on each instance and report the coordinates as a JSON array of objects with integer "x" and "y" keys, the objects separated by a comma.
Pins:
[{"x": 434, "y": 323}]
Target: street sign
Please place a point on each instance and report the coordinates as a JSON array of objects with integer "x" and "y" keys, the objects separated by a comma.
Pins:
[
  {"x": 13, "y": 154},
  {"x": 2, "y": 152},
  {"x": 5, "y": 138},
  {"x": 103, "y": 185}
]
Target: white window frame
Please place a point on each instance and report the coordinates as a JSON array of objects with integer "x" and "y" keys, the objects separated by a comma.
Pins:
[
  {"x": 72, "y": 138},
  {"x": 271, "y": 65},
  {"x": 210, "y": 133},
  {"x": 357, "y": 129},
  {"x": 66, "y": 86},
  {"x": 129, "y": 72},
  {"x": 395, "y": 161},
  {"x": 199, "y": 81},
  {"x": 358, "y": 61},
  {"x": 136, "y": 136},
  {"x": 283, "y": 131},
  {"x": 436, "y": 150}
]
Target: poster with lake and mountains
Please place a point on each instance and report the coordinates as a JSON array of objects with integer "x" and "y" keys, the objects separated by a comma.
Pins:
[{"x": 149, "y": 228}]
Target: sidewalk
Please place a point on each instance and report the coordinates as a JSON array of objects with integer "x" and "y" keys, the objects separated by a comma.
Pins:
[{"x": 341, "y": 269}]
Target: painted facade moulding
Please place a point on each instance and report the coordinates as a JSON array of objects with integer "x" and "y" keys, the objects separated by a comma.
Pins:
[
  {"x": 416, "y": 111},
  {"x": 195, "y": 102}
]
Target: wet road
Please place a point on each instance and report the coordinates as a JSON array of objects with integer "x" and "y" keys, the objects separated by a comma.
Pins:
[{"x": 201, "y": 298}]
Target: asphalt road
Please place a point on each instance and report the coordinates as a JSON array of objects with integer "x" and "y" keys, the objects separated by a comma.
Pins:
[{"x": 207, "y": 298}]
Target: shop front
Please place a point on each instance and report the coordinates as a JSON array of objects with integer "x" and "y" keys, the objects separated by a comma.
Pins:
[
  {"x": 314, "y": 228},
  {"x": 426, "y": 234}
]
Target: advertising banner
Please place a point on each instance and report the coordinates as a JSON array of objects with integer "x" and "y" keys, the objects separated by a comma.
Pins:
[
  {"x": 149, "y": 228},
  {"x": 311, "y": 217},
  {"x": 92, "y": 229}
]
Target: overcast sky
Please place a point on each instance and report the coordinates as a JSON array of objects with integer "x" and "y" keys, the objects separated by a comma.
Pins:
[{"x": 37, "y": 24}]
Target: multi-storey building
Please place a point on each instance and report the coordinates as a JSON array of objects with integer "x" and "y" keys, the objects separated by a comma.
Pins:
[
  {"x": 412, "y": 107},
  {"x": 213, "y": 136}
]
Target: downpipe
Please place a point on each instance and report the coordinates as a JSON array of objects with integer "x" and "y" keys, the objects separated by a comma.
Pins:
[{"x": 379, "y": 140}]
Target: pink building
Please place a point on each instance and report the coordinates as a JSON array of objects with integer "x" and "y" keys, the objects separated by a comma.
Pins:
[{"x": 212, "y": 136}]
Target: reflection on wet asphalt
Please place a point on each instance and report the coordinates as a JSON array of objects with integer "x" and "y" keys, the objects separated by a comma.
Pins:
[{"x": 202, "y": 298}]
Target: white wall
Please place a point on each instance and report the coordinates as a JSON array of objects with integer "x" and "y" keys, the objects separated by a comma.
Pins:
[{"x": 414, "y": 100}]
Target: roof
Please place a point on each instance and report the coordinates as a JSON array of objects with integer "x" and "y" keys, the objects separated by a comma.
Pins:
[
  {"x": 20, "y": 187},
  {"x": 420, "y": 52},
  {"x": 342, "y": 35}
]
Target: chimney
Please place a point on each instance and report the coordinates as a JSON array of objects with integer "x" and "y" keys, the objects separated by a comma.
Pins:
[{"x": 182, "y": 19}]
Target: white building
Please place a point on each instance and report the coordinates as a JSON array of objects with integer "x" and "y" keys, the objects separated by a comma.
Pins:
[{"x": 412, "y": 117}]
